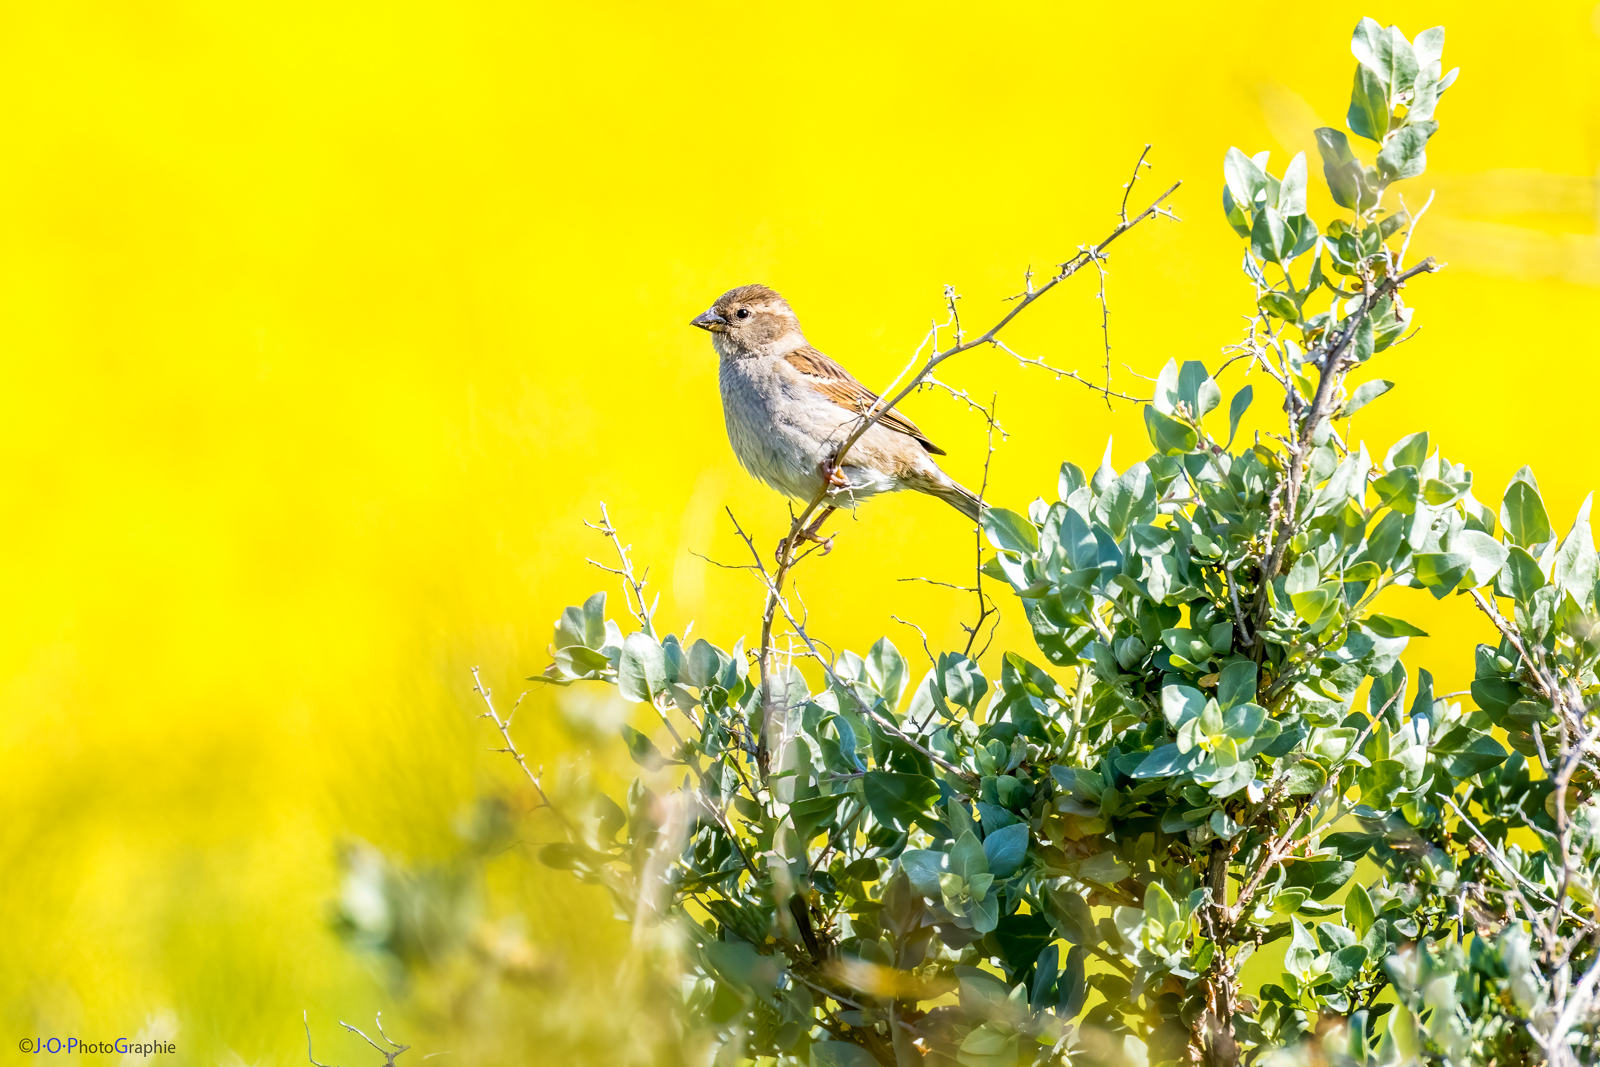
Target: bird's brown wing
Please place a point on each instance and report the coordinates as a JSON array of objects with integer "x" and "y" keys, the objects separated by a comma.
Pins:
[{"x": 837, "y": 384}]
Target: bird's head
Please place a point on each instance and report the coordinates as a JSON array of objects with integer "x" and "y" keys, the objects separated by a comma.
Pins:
[{"x": 750, "y": 320}]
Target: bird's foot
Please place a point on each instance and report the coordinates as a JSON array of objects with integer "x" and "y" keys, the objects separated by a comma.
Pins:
[
  {"x": 812, "y": 533},
  {"x": 833, "y": 475}
]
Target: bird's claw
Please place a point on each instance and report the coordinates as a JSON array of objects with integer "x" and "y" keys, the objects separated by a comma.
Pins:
[
  {"x": 804, "y": 536},
  {"x": 834, "y": 476},
  {"x": 812, "y": 533}
]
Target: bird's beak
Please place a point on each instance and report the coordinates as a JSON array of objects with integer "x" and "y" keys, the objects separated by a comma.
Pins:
[{"x": 709, "y": 320}]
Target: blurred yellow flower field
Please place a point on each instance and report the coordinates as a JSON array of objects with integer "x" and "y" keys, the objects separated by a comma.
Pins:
[{"x": 325, "y": 328}]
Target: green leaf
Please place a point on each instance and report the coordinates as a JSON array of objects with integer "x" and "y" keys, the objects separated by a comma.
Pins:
[
  {"x": 703, "y": 666},
  {"x": 1365, "y": 571},
  {"x": 1171, "y": 437},
  {"x": 1386, "y": 52},
  {"x": 1180, "y": 703},
  {"x": 1009, "y": 531},
  {"x": 812, "y": 816},
  {"x": 886, "y": 670},
  {"x": 1486, "y": 554},
  {"x": 1303, "y": 948},
  {"x": 1367, "y": 42},
  {"x": 578, "y": 661},
  {"x": 642, "y": 750},
  {"x": 1358, "y": 910},
  {"x": 1441, "y": 572},
  {"x": 1399, "y": 489},
  {"x": 1429, "y": 47},
  {"x": 1380, "y": 782},
  {"x": 1521, "y": 576},
  {"x": 1246, "y": 180},
  {"x": 1477, "y": 756},
  {"x": 989, "y": 1045},
  {"x": 1070, "y": 480},
  {"x": 1006, "y": 848},
  {"x": 1345, "y": 965},
  {"x": 1184, "y": 642},
  {"x": 1268, "y": 237},
  {"x": 1244, "y": 721},
  {"x": 967, "y": 858},
  {"x": 1304, "y": 575},
  {"x": 1292, "y": 188},
  {"x": 1236, "y": 684},
  {"x": 840, "y": 1054},
  {"x": 1159, "y": 905},
  {"x": 961, "y": 680},
  {"x": 1365, "y": 394},
  {"x": 1339, "y": 167},
  {"x": 642, "y": 671},
  {"x": 1235, "y": 213},
  {"x": 1166, "y": 391},
  {"x": 1320, "y": 877},
  {"x": 923, "y": 867},
  {"x": 1128, "y": 500},
  {"x": 1197, "y": 390},
  {"x": 1236, "y": 409},
  {"x": 1365, "y": 343},
  {"x": 1369, "y": 106},
  {"x": 1279, "y": 306},
  {"x": 739, "y": 964},
  {"x": 1522, "y": 511},
  {"x": 1317, "y": 604},
  {"x": 1303, "y": 778},
  {"x": 1165, "y": 762},
  {"x": 594, "y": 621},
  {"x": 1389, "y": 626},
  {"x": 896, "y": 799},
  {"x": 1409, "y": 451},
  {"x": 1576, "y": 565},
  {"x": 1406, "y": 156}
]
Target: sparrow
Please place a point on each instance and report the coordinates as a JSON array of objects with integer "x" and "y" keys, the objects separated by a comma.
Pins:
[{"x": 789, "y": 408}]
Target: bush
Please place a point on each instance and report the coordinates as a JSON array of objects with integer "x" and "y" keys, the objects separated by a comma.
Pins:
[{"x": 1222, "y": 750}]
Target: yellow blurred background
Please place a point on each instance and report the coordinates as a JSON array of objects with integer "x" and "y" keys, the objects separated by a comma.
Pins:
[{"x": 325, "y": 326}]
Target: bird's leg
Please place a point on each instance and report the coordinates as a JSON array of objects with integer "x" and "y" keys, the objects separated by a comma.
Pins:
[
  {"x": 833, "y": 475},
  {"x": 813, "y": 533}
]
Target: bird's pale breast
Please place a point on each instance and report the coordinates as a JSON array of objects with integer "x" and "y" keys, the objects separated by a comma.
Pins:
[{"x": 783, "y": 430}]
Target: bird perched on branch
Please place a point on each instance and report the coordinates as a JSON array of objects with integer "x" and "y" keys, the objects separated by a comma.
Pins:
[{"x": 789, "y": 410}]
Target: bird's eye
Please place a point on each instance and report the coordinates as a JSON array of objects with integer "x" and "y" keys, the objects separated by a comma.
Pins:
[{"x": 744, "y": 313}]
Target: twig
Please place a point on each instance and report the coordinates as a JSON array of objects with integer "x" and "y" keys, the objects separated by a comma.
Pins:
[
  {"x": 931, "y": 581},
  {"x": 1411, "y": 228},
  {"x": 309, "y": 1054},
  {"x": 388, "y": 1057},
  {"x": 1127, "y": 190},
  {"x": 920, "y": 633},
  {"x": 1032, "y": 361},
  {"x": 1245, "y": 636},
  {"x": 1105, "y": 321},
  {"x": 504, "y": 726},
  {"x": 985, "y": 602},
  {"x": 966, "y": 398},
  {"x": 632, "y": 588}
]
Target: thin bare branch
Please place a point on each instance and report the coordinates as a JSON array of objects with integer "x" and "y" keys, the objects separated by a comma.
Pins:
[{"x": 632, "y": 587}]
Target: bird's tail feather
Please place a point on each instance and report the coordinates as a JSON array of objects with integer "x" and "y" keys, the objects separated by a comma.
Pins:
[{"x": 954, "y": 494}]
